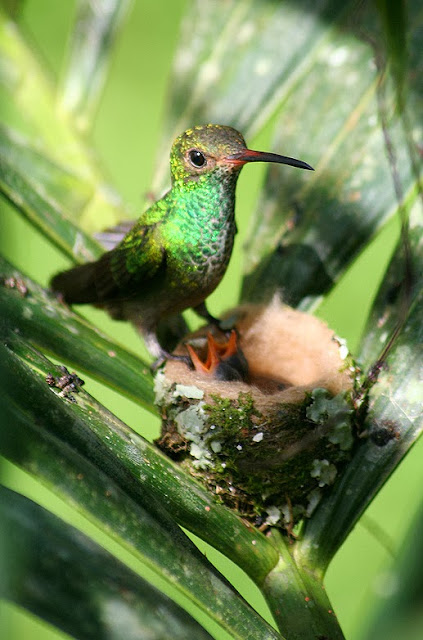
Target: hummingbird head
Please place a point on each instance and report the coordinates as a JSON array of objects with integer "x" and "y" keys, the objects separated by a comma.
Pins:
[{"x": 205, "y": 149}]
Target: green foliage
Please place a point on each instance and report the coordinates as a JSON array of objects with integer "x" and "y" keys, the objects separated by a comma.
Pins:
[
  {"x": 330, "y": 82},
  {"x": 110, "y": 600}
]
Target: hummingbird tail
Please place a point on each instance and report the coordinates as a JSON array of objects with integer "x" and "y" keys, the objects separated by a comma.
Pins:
[{"x": 77, "y": 285}]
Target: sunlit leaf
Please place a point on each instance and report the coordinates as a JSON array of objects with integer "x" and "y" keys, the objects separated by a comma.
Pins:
[
  {"x": 29, "y": 100},
  {"x": 96, "y": 28},
  {"x": 36, "y": 187}
]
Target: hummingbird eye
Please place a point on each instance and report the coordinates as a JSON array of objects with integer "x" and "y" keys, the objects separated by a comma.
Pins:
[{"x": 197, "y": 158}]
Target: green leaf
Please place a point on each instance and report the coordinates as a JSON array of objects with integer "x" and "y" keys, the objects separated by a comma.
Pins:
[
  {"x": 28, "y": 92},
  {"x": 400, "y": 290},
  {"x": 309, "y": 227},
  {"x": 13, "y": 7},
  {"x": 30, "y": 97},
  {"x": 395, "y": 411},
  {"x": 59, "y": 574},
  {"x": 78, "y": 423},
  {"x": 393, "y": 17},
  {"x": 37, "y": 187},
  {"x": 96, "y": 28},
  {"x": 69, "y": 192},
  {"x": 241, "y": 64},
  {"x": 52, "y": 326}
]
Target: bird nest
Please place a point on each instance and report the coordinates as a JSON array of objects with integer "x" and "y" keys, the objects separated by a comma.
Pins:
[{"x": 265, "y": 419}]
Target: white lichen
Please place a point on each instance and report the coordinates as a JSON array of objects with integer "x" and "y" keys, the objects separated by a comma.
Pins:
[
  {"x": 335, "y": 414},
  {"x": 273, "y": 515},
  {"x": 216, "y": 446},
  {"x": 160, "y": 387},
  {"x": 191, "y": 422},
  {"x": 314, "y": 498},
  {"x": 188, "y": 391},
  {"x": 324, "y": 472},
  {"x": 343, "y": 348}
]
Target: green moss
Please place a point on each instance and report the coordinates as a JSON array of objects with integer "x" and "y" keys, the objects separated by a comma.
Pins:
[{"x": 230, "y": 417}]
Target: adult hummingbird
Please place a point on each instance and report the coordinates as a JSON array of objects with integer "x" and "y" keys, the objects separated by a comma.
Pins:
[{"x": 177, "y": 252}]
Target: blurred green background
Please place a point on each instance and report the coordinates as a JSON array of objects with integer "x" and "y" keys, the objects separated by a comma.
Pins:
[{"x": 125, "y": 136}]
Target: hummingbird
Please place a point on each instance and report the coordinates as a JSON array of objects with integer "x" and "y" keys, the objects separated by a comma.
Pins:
[{"x": 176, "y": 254}]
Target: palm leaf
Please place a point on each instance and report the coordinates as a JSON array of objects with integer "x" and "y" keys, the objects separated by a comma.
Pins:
[
  {"x": 68, "y": 438},
  {"x": 96, "y": 28},
  {"x": 54, "y": 571}
]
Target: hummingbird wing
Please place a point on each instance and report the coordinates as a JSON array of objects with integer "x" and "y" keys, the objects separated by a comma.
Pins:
[
  {"x": 119, "y": 274},
  {"x": 110, "y": 238}
]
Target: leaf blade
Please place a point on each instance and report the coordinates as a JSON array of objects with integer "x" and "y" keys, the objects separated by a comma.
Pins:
[
  {"x": 59, "y": 574},
  {"x": 30, "y": 96},
  {"x": 395, "y": 413},
  {"x": 52, "y": 326},
  {"x": 97, "y": 26},
  {"x": 129, "y": 460},
  {"x": 308, "y": 229},
  {"x": 35, "y": 191}
]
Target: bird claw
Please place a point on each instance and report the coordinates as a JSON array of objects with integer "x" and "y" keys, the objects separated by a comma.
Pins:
[
  {"x": 155, "y": 366},
  {"x": 180, "y": 358},
  {"x": 170, "y": 356}
]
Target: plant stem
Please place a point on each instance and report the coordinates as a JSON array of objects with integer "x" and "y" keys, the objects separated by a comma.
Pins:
[{"x": 297, "y": 598}]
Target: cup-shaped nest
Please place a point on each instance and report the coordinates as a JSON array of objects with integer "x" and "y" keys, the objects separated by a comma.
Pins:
[{"x": 265, "y": 419}]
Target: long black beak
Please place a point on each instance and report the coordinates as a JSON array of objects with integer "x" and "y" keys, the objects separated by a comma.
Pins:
[{"x": 248, "y": 155}]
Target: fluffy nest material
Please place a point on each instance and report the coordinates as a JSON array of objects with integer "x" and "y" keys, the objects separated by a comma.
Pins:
[{"x": 289, "y": 353}]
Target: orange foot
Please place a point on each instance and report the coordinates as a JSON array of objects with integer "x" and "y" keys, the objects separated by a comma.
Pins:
[{"x": 225, "y": 361}]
